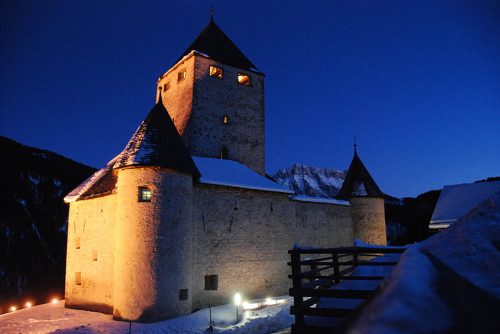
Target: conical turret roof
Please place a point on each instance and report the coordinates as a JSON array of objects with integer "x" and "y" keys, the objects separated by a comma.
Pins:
[
  {"x": 213, "y": 42},
  {"x": 358, "y": 181},
  {"x": 157, "y": 143}
]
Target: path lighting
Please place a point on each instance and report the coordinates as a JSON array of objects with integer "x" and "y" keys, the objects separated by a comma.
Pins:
[
  {"x": 270, "y": 301},
  {"x": 237, "y": 302},
  {"x": 12, "y": 308},
  {"x": 28, "y": 304},
  {"x": 54, "y": 301}
]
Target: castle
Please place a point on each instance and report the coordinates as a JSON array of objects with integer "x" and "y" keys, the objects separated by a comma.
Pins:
[{"x": 187, "y": 208}]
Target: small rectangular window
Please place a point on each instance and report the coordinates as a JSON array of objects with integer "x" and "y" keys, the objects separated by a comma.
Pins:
[
  {"x": 211, "y": 282},
  {"x": 181, "y": 75},
  {"x": 166, "y": 86},
  {"x": 183, "y": 294},
  {"x": 243, "y": 79},
  {"x": 144, "y": 194},
  {"x": 216, "y": 72},
  {"x": 225, "y": 119},
  {"x": 94, "y": 255},
  {"x": 224, "y": 153},
  {"x": 77, "y": 242},
  {"x": 78, "y": 278}
]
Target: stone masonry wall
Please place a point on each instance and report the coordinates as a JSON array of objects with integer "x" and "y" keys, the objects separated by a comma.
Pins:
[
  {"x": 198, "y": 103},
  {"x": 243, "y": 236},
  {"x": 177, "y": 95},
  {"x": 244, "y": 105},
  {"x": 368, "y": 217},
  {"x": 153, "y": 249},
  {"x": 91, "y": 221}
]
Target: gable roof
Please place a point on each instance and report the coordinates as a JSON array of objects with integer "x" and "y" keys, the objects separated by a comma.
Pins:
[
  {"x": 358, "y": 181},
  {"x": 157, "y": 143},
  {"x": 214, "y": 43},
  {"x": 457, "y": 200}
]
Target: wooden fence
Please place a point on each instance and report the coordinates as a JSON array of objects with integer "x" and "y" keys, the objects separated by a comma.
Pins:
[{"x": 316, "y": 274}]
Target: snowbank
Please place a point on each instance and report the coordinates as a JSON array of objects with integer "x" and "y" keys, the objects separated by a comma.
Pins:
[{"x": 449, "y": 283}]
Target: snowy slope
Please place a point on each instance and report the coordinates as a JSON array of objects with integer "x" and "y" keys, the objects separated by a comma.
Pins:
[
  {"x": 311, "y": 181},
  {"x": 49, "y": 318},
  {"x": 449, "y": 283}
]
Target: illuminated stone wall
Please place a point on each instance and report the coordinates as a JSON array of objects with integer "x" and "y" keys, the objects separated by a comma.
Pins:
[
  {"x": 243, "y": 236},
  {"x": 93, "y": 223},
  {"x": 153, "y": 246},
  {"x": 368, "y": 217},
  {"x": 199, "y": 103}
]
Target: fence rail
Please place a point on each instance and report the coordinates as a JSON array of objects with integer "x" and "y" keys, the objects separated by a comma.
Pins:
[{"x": 317, "y": 274}]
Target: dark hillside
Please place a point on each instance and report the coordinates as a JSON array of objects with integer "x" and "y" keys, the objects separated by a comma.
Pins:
[{"x": 33, "y": 221}]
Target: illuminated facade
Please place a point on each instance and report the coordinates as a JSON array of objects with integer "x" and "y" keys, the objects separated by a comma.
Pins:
[{"x": 186, "y": 208}]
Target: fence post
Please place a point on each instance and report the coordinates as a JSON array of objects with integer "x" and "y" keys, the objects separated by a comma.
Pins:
[
  {"x": 336, "y": 269},
  {"x": 297, "y": 288}
]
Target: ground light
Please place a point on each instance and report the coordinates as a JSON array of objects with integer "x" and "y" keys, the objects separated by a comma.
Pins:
[
  {"x": 28, "y": 304},
  {"x": 237, "y": 302},
  {"x": 54, "y": 301},
  {"x": 12, "y": 308}
]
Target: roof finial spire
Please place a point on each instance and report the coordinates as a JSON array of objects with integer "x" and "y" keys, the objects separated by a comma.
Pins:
[
  {"x": 355, "y": 146},
  {"x": 212, "y": 12}
]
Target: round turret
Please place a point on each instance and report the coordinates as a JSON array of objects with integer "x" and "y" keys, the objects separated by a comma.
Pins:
[
  {"x": 367, "y": 203},
  {"x": 153, "y": 250}
]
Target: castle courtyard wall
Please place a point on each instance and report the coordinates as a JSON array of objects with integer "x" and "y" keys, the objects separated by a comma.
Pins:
[
  {"x": 243, "y": 236},
  {"x": 90, "y": 254}
]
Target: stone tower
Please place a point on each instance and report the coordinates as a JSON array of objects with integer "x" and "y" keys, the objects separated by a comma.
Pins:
[
  {"x": 153, "y": 236},
  {"x": 367, "y": 203},
  {"x": 215, "y": 96}
]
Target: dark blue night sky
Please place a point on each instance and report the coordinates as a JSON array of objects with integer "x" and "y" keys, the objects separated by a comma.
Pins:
[{"x": 417, "y": 82}]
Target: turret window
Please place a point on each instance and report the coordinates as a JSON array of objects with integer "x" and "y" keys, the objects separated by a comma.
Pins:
[
  {"x": 243, "y": 79},
  {"x": 216, "y": 72},
  {"x": 225, "y": 119},
  {"x": 144, "y": 194},
  {"x": 166, "y": 86}
]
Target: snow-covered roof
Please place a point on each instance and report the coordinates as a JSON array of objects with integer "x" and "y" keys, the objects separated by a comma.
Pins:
[
  {"x": 302, "y": 198},
  {"x": 457, "y": 200},
  {"x": 358, "y": 181},
  {"x": 100, "y": 183},
  {"x": 230, "y": 173}
]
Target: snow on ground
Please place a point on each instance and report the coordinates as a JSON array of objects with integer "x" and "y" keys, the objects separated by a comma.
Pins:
[
  {"x": 54, "y": 318},
  {"x": 449, "y": 283}
]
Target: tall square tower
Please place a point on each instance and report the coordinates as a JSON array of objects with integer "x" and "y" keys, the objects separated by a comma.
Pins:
[{"x": 215, "y": 97}]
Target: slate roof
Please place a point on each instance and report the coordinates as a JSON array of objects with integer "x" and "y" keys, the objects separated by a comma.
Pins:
[
  {"x": 155, "y": 143},
  {"x": 213, "y": 42},
  {"x": 358, "y": 181}
]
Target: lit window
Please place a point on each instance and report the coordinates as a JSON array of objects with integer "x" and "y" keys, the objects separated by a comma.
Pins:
[
  {"x": 183, "y": 294},
  {"x": 181, "y": 75},
  {"x": 144, "y": 194},
  {"x": 211, "y": 282},
  {"x": 224, "y": 152},
  {"x": 78, "y": 278},
  {"x": 243, "y": 79},
  {"x": 77, "y": 242},
  {"x": 225, "y": 119},
  {"x": 216, "y": 72},
  {"x": 166, "y": 86}
]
